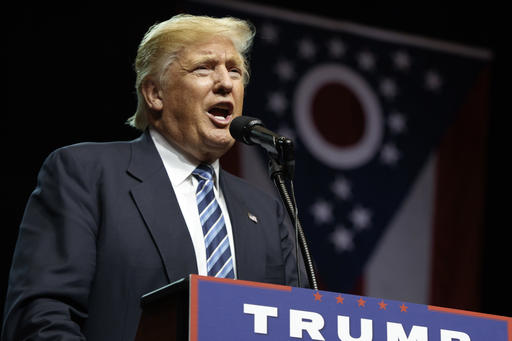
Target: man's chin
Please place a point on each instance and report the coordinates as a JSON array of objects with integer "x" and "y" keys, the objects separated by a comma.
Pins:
[
  {"x": 216, "y": 148},
  {"x": 223, "y": 146}
]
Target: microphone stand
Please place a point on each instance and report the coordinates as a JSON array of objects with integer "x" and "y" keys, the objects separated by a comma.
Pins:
[{"x": 281, "y": 168}]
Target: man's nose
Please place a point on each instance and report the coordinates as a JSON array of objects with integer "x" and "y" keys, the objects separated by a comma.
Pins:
[{"x": 223, "y": 82}]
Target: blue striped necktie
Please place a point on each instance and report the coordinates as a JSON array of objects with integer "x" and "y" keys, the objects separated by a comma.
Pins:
[{"x": 219, "y": 262}]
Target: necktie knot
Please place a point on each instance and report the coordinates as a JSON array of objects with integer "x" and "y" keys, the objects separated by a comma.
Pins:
[{"x": 203, "y": 172}]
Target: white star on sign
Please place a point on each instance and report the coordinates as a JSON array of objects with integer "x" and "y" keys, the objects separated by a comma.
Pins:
[
  {"x": 361, "y": 218},
  {"x": 322, "y": 211},
  {"x": 342, "y": 239}
]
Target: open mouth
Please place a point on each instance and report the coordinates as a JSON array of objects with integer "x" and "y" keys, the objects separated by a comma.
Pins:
[{"x": 221, "y": 112}]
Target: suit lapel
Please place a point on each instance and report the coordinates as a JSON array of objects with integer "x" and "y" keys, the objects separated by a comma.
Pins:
[
  {"x": 157, "y": 203},
  {"x": 249, "y": 246}
]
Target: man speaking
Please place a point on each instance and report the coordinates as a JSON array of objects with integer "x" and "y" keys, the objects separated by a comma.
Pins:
[{"x": 109, "y": 222}]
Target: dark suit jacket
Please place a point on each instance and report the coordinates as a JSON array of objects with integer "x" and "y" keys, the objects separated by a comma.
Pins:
[{"x": 103, "y": 227}]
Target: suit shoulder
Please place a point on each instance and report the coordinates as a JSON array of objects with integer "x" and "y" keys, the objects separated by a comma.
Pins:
[
  {"x": 94, "y": 150},
  {"x": 91, "y": 155},
  {"x": 85, "y": 148}
]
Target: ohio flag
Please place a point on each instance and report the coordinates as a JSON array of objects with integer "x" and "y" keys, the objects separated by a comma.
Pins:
[{"x": 389, "y": 131}]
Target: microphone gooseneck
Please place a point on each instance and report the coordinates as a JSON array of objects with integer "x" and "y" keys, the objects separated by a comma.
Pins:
[{"x": 280, "y": 150}]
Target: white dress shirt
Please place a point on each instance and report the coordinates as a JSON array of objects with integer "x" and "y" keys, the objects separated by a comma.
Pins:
[{"x": 179, "y": 169}]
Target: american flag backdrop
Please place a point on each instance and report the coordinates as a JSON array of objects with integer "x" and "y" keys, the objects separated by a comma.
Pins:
[{"x": 389, "y": 131}]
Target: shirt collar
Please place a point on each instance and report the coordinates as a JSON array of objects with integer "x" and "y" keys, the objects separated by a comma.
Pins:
[{"x": 178, "y": 167}]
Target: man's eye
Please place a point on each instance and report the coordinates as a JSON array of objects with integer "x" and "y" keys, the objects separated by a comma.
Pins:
[
  {"x": 235, "y": 72},
  {"x": 202, "y": 70}
]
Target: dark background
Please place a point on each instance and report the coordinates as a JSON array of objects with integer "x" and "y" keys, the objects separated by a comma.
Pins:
[{"x": 70, "y": 79}]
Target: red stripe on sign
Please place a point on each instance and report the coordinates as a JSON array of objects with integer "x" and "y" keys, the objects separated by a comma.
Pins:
[
  {"x": 243, "y": 283},
  {"x": 470, "y": 313},
  {"x": 475, "y": 314},
  {"x": 193, "y": 308}
]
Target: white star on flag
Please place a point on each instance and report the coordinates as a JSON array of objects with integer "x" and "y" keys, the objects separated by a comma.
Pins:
[
  {"x": 322, "y": 211},
  {"x": 277, "y": 102},
  {"x": 307, "y": 49},
  {"x": 388, "y": 88},
  {"x": 433, "y": 80},
  {"x": 396, "y": 122},
  {"x": 336, "y": 48},
  {"x": 341, "y": 188},
  {"x": 284, "y": 70},
  {"x": 389, "y": 154},
  {"x": 366, "y": 61},
  {"x": 269, "y": 33},
  {"x": 342, "y": 239},
  {"x": 401, "y": 60},
  {"x": 285, "y": 130},
  {"x": 361, "y": 218}
]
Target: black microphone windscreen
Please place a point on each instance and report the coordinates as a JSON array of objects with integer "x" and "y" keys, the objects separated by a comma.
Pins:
[{"x": 240, "y": 127}]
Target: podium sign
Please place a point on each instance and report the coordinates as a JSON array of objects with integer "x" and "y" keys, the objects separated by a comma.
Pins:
[{"x": 223, "y": 309}]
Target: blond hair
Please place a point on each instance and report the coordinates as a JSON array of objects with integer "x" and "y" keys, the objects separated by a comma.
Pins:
[{"x": 163, "y": 41}]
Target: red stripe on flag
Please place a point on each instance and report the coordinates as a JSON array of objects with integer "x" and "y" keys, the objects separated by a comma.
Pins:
[
  {"x": 459, "y": 204},
  {"x": 231, "y": 161}
]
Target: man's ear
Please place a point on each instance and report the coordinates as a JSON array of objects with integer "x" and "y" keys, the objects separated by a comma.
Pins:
[{"x": 152, "y": 95}]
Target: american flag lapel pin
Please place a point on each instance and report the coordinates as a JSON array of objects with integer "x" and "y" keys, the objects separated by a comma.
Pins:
[{"x": 252, "y": 217}]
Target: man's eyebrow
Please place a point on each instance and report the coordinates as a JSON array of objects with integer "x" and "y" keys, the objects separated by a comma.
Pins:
[
  {"x": 202, "y": 59},
  {"x": 209, "y": 58},
  {"x": 189, "y": 63}
]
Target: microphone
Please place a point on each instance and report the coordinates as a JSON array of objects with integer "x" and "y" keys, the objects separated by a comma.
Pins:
[{"x": 250, "y": 130}]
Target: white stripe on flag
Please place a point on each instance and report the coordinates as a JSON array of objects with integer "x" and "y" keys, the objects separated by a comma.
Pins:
[{"x": 399, "y": 268}]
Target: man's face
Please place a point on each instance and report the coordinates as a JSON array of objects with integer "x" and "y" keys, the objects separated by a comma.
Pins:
[{"x": 202, "y": 91}]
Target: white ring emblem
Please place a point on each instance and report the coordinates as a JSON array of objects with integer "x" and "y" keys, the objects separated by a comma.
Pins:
[{"x": 336, "y": 156}]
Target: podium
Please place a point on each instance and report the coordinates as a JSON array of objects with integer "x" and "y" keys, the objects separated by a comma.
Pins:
[{"x": 200, "y": 308}]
